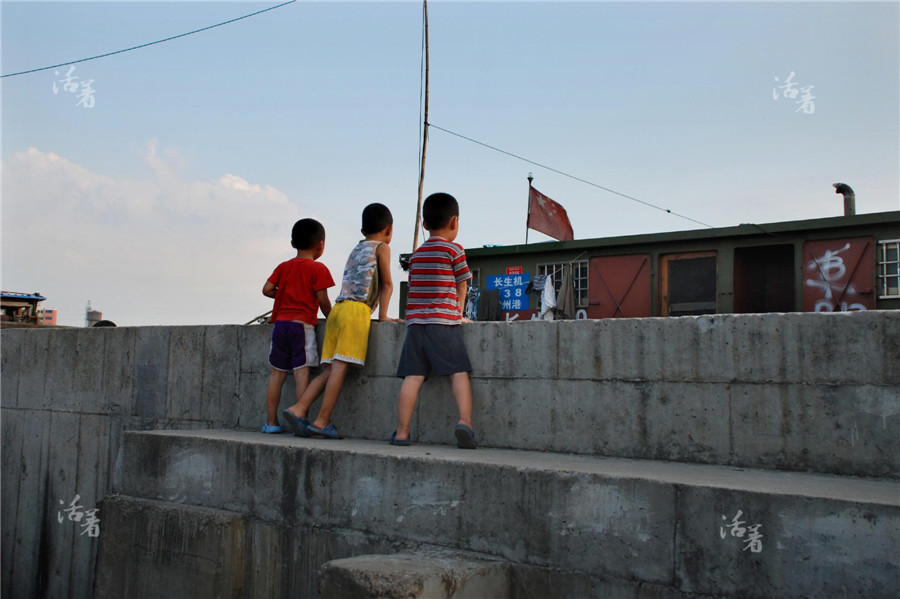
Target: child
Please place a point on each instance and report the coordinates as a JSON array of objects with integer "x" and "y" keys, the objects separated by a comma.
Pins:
[
  {"x": 438, "y": 278},
  {"x": 366, "y": 283},
  {"x": 298, "y": 287}
]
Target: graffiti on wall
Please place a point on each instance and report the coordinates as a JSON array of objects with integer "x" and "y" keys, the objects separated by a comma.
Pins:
[{"x": 839, "y": 276}]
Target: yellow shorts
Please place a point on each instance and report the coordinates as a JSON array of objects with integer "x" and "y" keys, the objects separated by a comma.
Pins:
[{"x": 347, "y": 333}]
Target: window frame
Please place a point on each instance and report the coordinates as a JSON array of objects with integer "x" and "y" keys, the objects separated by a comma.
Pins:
[
  {"x": 581, "y": 294},
  {"x": 881, "y": 262},
  {"x": 475, "y": 281}
]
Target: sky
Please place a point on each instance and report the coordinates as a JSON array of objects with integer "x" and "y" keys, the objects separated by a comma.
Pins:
[{"x": 161, "y": 184}]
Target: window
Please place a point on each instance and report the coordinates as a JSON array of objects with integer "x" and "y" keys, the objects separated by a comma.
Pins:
[
  {"x": 688, "y": 284},
  {"x": 579, "y": 276},
  {"x": 889, "y": 268},
  {"x": 475, "y": 281}
]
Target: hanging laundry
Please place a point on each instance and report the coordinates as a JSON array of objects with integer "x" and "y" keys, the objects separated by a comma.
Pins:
[
  {"x": 565, "y": 308},
  {"x": 536, "y": 285},
  {"x": 548, "y": 301},
  {"x": 489, "y": 306},
  {"x": 472, "y": 298}
]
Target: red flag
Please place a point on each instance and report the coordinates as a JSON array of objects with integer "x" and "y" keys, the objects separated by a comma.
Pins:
[{"x": 548, "y": 217}]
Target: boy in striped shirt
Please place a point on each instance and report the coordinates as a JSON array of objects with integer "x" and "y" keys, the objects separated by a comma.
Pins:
[{"x": 438, "y": 279}]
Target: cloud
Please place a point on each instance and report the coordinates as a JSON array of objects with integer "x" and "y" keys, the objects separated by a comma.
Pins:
[{"x": 160, "y": 250}]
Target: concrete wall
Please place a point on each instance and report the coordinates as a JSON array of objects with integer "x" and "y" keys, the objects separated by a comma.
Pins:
[
  {"x": 800, "y": 391},
  {"x": 618, "y": 520}
]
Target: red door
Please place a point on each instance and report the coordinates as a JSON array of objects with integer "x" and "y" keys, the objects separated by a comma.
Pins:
[
  {"x": 839, "y": 275},
  {"x": 619, "y": 286}
]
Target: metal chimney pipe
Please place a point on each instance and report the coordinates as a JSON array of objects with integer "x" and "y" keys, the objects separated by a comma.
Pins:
[{"x": 849, "y": 198}]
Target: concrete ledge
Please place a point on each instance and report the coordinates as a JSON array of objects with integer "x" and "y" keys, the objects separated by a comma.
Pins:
[
  {"x": 653, "y": 522},
  {"x": 763, "y": 391},
  {"x": 154, "y": 550},
  {"x": 420, "y": 576},
  {"x": 289, "y": 562}
]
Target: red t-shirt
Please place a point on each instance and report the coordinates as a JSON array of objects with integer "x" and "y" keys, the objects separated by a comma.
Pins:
[{"x": 296, "y": 283}]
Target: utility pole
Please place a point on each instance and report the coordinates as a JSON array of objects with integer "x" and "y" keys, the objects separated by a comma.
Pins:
[
  {"x": 528, "y": 217},
  {"x": 424, "y": 134}
]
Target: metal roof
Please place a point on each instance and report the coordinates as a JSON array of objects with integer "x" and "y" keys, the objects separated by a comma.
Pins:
[
  {"x": 24, "y": 296},
  {"x": 743, "y": 230}
]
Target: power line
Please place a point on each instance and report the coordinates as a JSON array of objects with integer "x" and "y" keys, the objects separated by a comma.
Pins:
[
  {"x": 559, "y": 172},
  {"x": 174, "y": 37}
]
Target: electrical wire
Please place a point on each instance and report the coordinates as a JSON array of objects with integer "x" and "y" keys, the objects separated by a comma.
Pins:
[
  {"x": 174, "y": 37},
  {"x": 564, "y": 174}
]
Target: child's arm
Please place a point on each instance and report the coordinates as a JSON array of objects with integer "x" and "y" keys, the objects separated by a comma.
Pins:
[
  {"x": 386, "y": 284},
  {"x": 461, "y": 288},
  {"x": 324, "y": 302},
  {"x": 269, "y": 289}
]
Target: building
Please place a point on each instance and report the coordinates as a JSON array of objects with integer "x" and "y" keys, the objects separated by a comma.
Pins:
[
  {"x": 829, "y": 264},
  {"x": 20, "y": 307},
  {"x": 47, "y": 316}
]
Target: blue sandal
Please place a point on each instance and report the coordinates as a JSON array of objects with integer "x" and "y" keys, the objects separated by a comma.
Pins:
[
  {"x": 329, "y": 431},
  {"x": 465, "y": 437},
  {"x": 401, "y": 442},
  {"x": 296, "y": 424}
]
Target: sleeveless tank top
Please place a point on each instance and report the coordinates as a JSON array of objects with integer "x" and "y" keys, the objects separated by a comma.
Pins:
[{"x": 360, "y": 282}]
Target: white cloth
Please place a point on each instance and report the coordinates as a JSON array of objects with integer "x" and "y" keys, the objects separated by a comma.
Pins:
[{"x": 548, "y": 300}]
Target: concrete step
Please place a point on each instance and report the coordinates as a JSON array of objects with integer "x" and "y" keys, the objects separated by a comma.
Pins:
[
  {"x": 415, "y": 576},
  {"x": 684, "y": 528}
]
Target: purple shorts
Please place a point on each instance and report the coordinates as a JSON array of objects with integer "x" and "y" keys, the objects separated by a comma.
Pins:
[{"x": 293, "y": 346}]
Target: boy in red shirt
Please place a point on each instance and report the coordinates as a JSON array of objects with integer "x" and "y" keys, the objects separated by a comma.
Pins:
[
  {"x": 366, "y": 283},
  {"x": 299, "y": 288}
]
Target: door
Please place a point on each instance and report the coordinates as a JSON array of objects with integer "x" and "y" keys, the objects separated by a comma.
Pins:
[
  {"x": 619, "y": 286},
  {"x": 764, "y": 279}
]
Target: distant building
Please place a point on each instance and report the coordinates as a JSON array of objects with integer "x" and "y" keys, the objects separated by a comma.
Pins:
[
  {"x": 20, "y": 307},
  {"x": 47, "y": 316},
  {"x": 91, "y": 316},
  {"x": 820, "y": 265}
]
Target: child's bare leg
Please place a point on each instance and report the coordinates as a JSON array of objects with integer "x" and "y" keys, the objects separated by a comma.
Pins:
[
  {"x": 332, "y": 391},
  {"x": 301, "y": 380},
  {"x": 273, "y": 395},
  {"x": 462, "y": 393},
  {"x": 307, "y": 395},
  {"x": 409, "y": 395}
]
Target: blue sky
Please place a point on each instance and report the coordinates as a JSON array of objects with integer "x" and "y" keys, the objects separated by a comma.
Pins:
[{"x": 170, "y": 200}]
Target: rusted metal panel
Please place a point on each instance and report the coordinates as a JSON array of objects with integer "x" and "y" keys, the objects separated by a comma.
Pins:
[
  {"x": 839, "y": 275},
  {"x": 619, "y": 286}
]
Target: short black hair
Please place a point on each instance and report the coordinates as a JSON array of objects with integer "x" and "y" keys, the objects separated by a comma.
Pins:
[
  {"x": 438, "y": 209},
  {"x": 376, "y": 217},
  {"x": 307, "y": 232}
]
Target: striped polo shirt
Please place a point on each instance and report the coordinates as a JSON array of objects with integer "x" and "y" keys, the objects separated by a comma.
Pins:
[{"x": 434, "y": 270}]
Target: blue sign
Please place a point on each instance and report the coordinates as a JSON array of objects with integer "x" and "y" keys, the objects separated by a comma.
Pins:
[
  {"x": 512, "y": 290},
  {"x": 504, "y": 281}
]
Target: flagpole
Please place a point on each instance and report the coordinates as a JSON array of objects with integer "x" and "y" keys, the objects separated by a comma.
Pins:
[
  {"x": 528, "y": 217},
  {"x": 424, "y": 134}
]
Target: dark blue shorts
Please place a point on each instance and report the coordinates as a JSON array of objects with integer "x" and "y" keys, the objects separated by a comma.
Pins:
[
  {"x": 433, "y": 350},
  {"x": 293, "y": 346}
]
